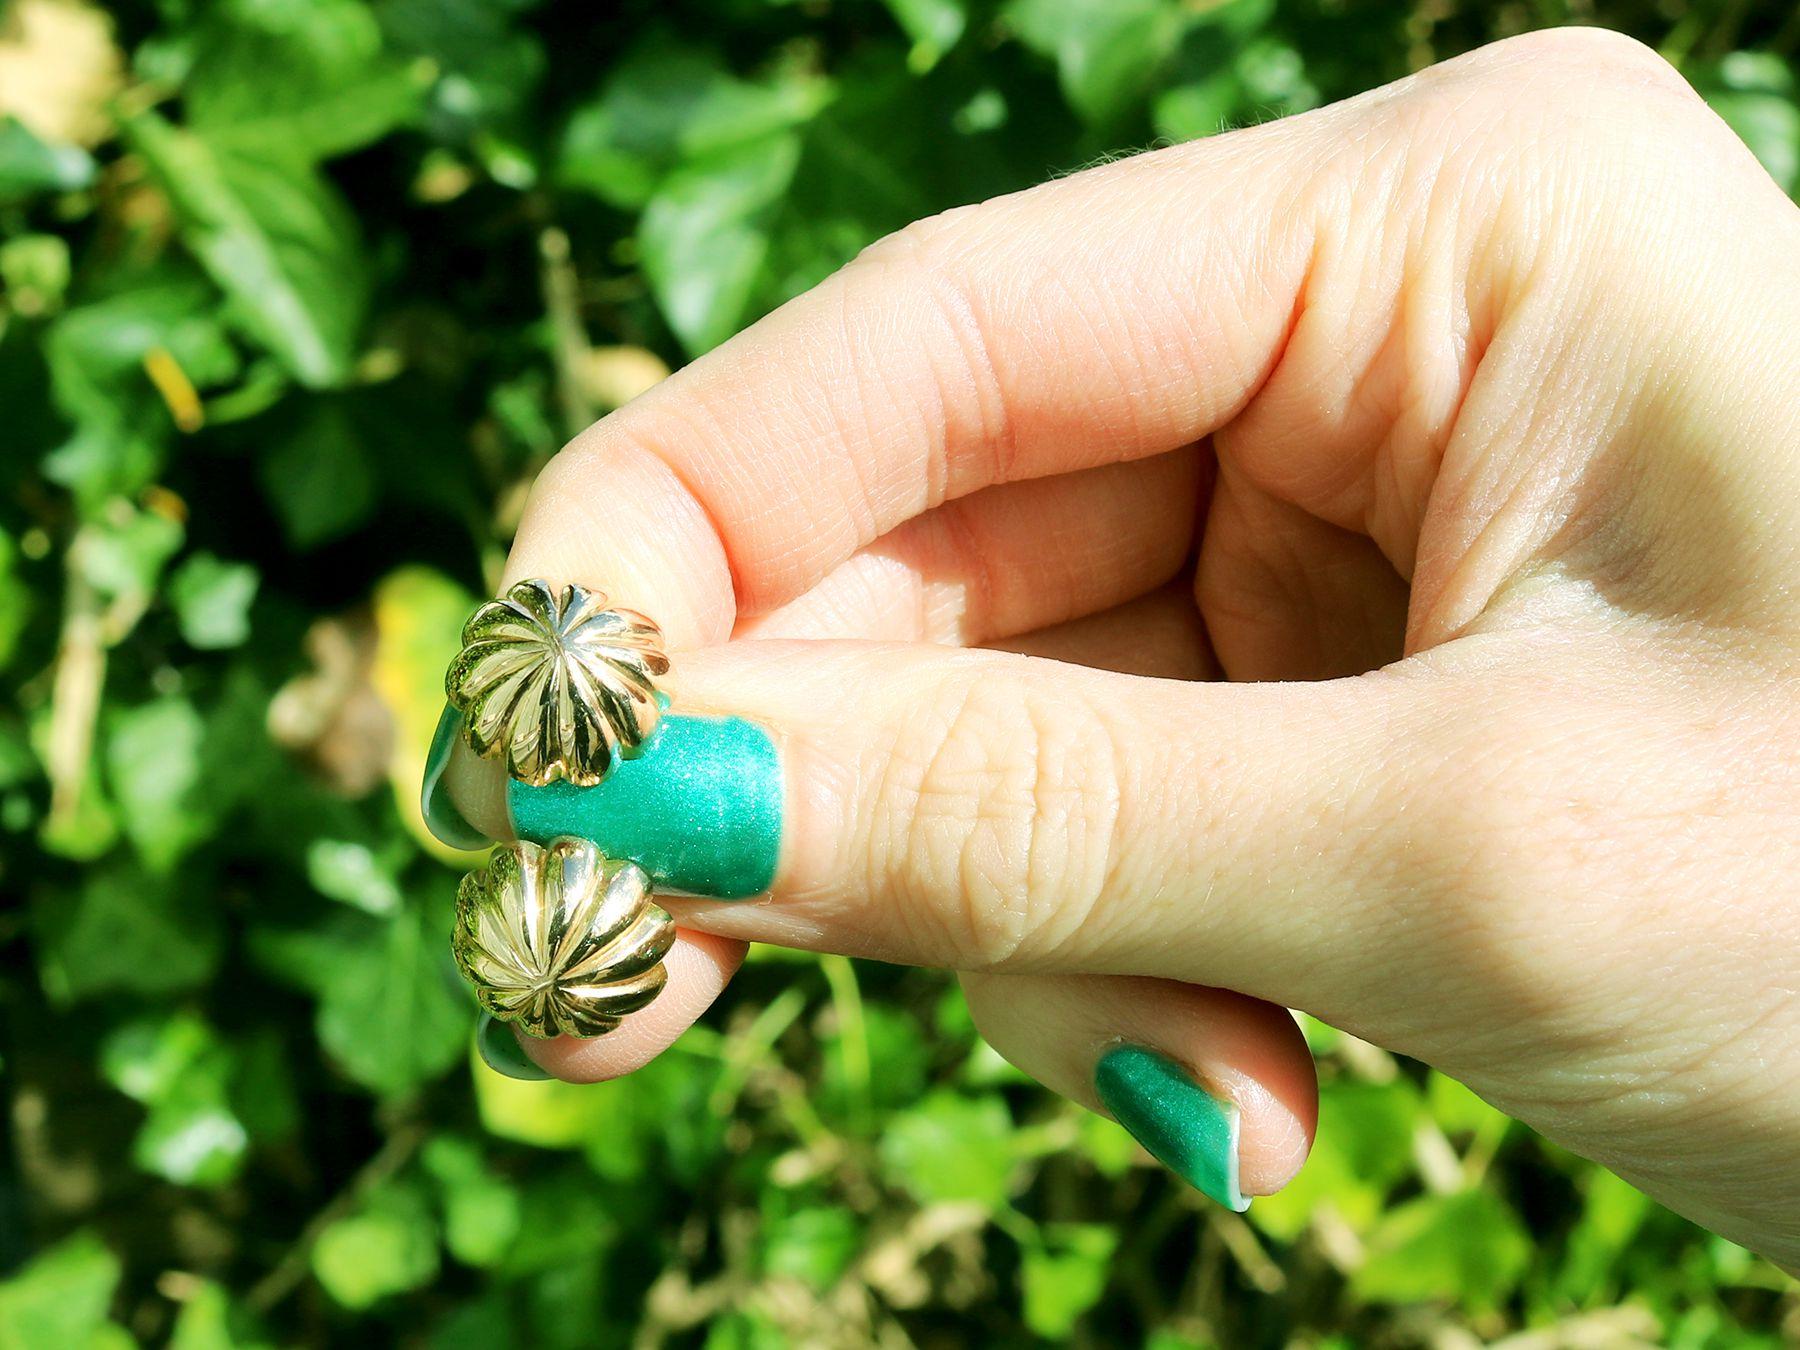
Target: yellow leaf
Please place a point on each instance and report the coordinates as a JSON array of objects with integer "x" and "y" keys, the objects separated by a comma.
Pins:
[
  {"x": 419, "y": 614},
  {"x": 58, "y": 68}
]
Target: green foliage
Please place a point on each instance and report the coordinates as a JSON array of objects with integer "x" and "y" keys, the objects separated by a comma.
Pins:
[{"x": 292, "y": 309}]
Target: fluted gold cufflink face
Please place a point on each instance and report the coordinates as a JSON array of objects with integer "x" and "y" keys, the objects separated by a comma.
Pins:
[
  {"x": 555, "y": 683},
  {"x": 562, "y": 941}
]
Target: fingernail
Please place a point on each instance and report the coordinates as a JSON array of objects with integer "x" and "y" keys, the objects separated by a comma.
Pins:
[
  {"x": 500, "y": 1051},
  {"x": 441, "y": 816},
  {"x": 1181, "y": 1125},
  {"x": 699, "y": 808}
]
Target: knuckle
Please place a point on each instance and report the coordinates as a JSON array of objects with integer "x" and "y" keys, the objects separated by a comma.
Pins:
[{"x": 1007, "y": 821}]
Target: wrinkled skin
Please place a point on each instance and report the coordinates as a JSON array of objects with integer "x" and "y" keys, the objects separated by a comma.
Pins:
[{"x": 1479, "y": 398}]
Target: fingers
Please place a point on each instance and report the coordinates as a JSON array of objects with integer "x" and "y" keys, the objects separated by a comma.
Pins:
[
  {"x": 1009, "y": 559},
  {"x": 1109, "y": 316},
  {"x": 1218, "y": 1087}
]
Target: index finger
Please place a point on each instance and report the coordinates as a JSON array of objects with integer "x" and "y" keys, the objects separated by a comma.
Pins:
[{"x": 1031, "y": 335}]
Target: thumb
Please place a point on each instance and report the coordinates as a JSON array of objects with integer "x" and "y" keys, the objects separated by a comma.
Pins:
[{"x": 984, "y": 811}]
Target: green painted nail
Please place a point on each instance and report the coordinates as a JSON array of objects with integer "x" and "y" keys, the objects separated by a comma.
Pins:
[
  {"x": 500, "y": 1051},
  {"x": 441, "y": 817},
  {"x": 1183, "y": 1126},
  {"x": 699, "y": 808}
]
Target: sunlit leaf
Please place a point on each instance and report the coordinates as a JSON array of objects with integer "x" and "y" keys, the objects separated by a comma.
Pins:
[
  {"x": 276, "y": 238},
  {"x": 1065, "y": 1274},
  {"x": 307, "y": 79},
  {"x": 951, "y": 1147},
  {"x": 388, "y": 1246},
  {"x": 212, "y": 601},
  {"x": 61, "y": 1297},
  {"x": 705, "y": 236},
  {"x": 1468, "y": 1246}
]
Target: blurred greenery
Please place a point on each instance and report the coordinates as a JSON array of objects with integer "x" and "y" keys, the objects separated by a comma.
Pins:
[{"x": 295, "y": 298}]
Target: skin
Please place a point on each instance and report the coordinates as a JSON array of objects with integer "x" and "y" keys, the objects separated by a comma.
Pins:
[{"x": 1475, "y": 398}]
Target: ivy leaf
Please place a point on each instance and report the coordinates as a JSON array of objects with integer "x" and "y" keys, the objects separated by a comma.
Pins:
[
  {"x": 1065, "y": 1274},
  {"x": 489, "y": 67},
  {"x": 208, "y": 1321},
  {"x": 705, "y": 236},
  {"x": 1108, "y": 53},
  {"x": 393, "y": 1011},
  {"x": 951, "y": 1147},
  {"x": 306, "y": 79},
  {"x": 127, "y": 929},
  {"x": 61, "y": 1297},
  {"x": 666, "y": 104},
  {"x": 275, "y": 237},
  {"x": 96, "y": 353},
  {"x": 181, "y": 1071},
  {"x": 814, "y": 1245},
  {"x": 481, "y": 1211},
  {"x": 318, "y": 476},
  {"x": 156, "y": 768},
  {"x": 1469, "y": 1247},
  {"x": 387, "y": 1247},
  {"x": 212, "y": 601}
]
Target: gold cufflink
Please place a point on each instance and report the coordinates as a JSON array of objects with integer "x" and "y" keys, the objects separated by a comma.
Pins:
[
  {"x": 562, "y": 941},
  {"x": 556, "y": 683}
]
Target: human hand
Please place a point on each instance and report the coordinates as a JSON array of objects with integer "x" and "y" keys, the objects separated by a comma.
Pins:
[{"x": 1476, "y": 397}]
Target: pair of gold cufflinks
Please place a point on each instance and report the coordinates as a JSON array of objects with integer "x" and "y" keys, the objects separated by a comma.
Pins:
[{"x": 559, "y": 939}]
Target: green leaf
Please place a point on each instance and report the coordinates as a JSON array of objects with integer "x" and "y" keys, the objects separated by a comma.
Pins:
[
  {"x": 1459, "y": 1110},
  {"x": 488, "y": 68},
  {"x": 393, "y": 1011},
  {"x": 350, "y": 871},
  {"x": 658, "y": 1118},
  {"x": 892, "y": 1042},
  {"x": 666, "y": 104},
  {"x": 304, "y": 78},
  {"x": 1064, "y": 1275},
  {"x": 935, "y": 26},
  {"x": 35, "y": 270},
  {"x": 182, "y": 1072},
  {"x": 122, "y": 556},
  {"x": 212, "y": 601},
  {"x": 29, "y": 165},
  {"x": 1613, "y": 1211},
  {"x": 951, "y": 1147},
  {"x": 155, "y": 766},
  {"x": 1107, "y": 52},
  {"x": 127, "y": 930},
  {"x": 60, "y": 1298},
  {"x": 275, "y": 237},
  {"x": 1107, "y": 1144},
  {"x": 482, "y": 1213},
  {"x": 705, "y": 236},
  {"x": 318, "y": 475},
  {"x": 387, "y": 1247},
  {"x": 1468, "y": 1248},
  {"x": 208, "y": 1321},
  {"x": 814, "y": 1245},
  {"x": 97, "y": 352}
]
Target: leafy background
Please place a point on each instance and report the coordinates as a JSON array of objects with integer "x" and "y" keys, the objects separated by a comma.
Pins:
[{"x": 295, "y": 297}]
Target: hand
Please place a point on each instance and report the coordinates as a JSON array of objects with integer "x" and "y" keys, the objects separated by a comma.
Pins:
[{"x": 1479, "y": 398}]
